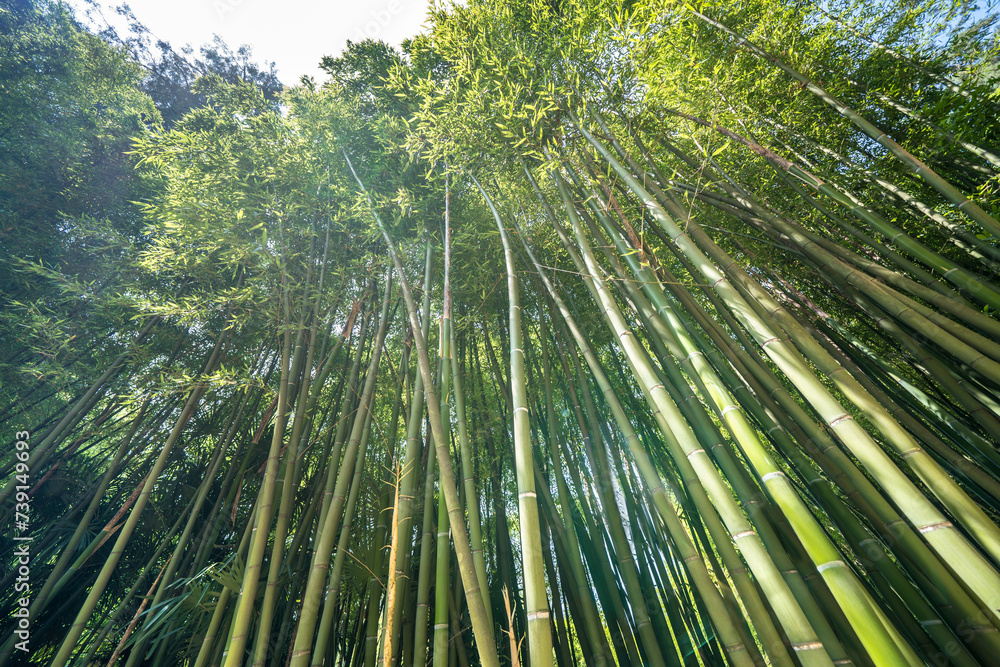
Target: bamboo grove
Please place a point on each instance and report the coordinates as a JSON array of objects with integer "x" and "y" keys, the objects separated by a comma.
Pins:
[{"x": 576, "y": 333}]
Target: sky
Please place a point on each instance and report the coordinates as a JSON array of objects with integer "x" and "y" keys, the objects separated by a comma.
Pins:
[{"x": 294, "y": 34}]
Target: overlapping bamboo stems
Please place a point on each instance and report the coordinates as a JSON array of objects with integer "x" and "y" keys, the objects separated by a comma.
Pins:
[
  {"x": 623, "y": 559},
  {"x": 573, "y": 603},
  {"x": 474, "y": 595},
  {"x": 288, "y": 477},
  {"x": 560, "y": 624},
  {"x": 800, "y": 632},
  {"x": 935, "y": 413},
  {"x": 567, "y": 546},
  {"x": 968, "y": 315},
  {"x": 734, "y": 565},
  {"x": 485, "y": 425},
  {"x": 734, "y": 562},
  {"x": 442, "y": 555},
  {"x": 584, "y": 612},
  {"x": 965, "y": 205},
  {"x": 348, "y": 406},
  {"x": 735, "y": 473},
  {"x": 928, "y": 358},
  {"x": 949, "y": 270},
  {"x": 343, "y": 551},
  {"x": 319, "y": 567},
  {"x": 677, "y": 597},
  {"x": 465, "y": 446},
  {"x": 750, "y": 402},
  {"x": 216, "y": 651},
  {"x": 714, "y": 388},
  {"x": 443, "y": 620},
  {"x": 704, "y": 428},
  {"x": 209, "y": 643},
  {"x": 533, "y": 565},
  {"x": 952, "y": 301},
  {"x": 737, "y": 650},
  {"x": 407, "y": 473},
  {"x": 971, "y": 566},
  {"x": 468, "y": 471},
  {"x": 66, "y": 564},
  {"x": 212, "y": 524},
  {"x": 964, "y": 614},
  {"x": 592, "y": 538},
  {"x": 51, "y": 439},
  {"x": 648, "y": 596},
  {"x": 964, "y": 239},
  {"x": 629, "y": 572},
  {"x": 149, "y": 568},
  {"x": 948, "y": 136},
  {"x": 421, "y": 613},
  {"x": 893, "y": 530},
  {"x": 955, "y": 460},
  {"x": 69, "y": 643},
  {"x": 794, "y": 366},
  {"x": 826, "y": 255},
  {"x": 246, "y": 602},
  {"x": 377, "y": 573},
  {"x": 841, "y": 275},
  {"x": 837, "y": 261},
  {"x": 166, "y": 576},
  {"x": 932, "y": 362},
  {"x": 919, "y": 310}
]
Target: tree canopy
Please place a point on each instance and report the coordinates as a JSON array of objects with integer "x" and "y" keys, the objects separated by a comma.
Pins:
[{"x": 604, "y": 333}]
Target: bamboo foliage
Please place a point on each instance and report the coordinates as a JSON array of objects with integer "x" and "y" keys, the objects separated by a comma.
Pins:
[{"x": 714, "y": 378}]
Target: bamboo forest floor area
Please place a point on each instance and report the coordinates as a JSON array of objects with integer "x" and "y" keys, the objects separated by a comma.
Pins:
[{"x": 610, "y": 333}]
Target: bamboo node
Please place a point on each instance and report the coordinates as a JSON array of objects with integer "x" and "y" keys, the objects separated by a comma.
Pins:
[
  {"x": 945, "y": 274},
  {"x": 935, "y": 526},
  {"x": 527, "y": 494},
  {"x": 727, "y": 409},
  {"x": 772, "y": 339},
  {"x": 688, "y": 358},
  {"x": 831, "y": 564},
  {"x": 807, "y": 646},
  {"x": 841, "y": 418},
  {"x": 743, "y": 533},
  {"x": 535, "y": 615},
  {"x": 772, "y": 475},
  {"x": 697, "y": 451}
]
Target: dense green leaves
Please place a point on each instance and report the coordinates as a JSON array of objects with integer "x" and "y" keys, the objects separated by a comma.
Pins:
[{"x": 689, "y": 346}]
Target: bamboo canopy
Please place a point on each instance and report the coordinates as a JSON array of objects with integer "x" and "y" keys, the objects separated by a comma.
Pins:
[{"x": 574, "y": 333}]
